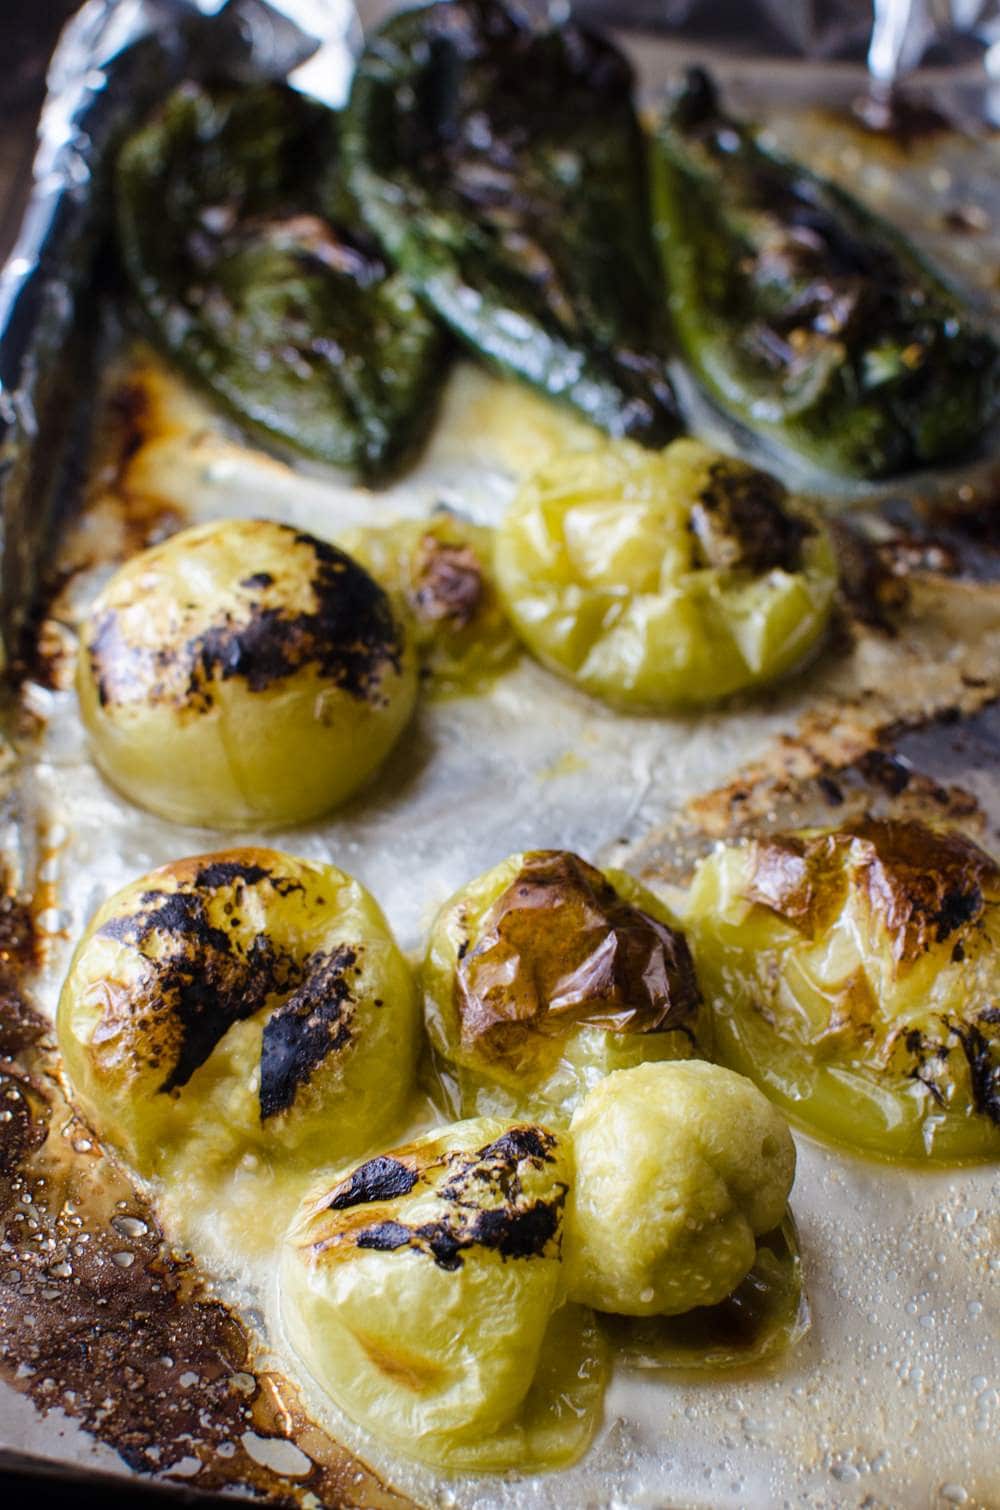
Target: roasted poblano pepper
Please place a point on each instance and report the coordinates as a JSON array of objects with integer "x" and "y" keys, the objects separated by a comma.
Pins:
[
  {"x": 278, "y": 304},
  {"x": 502, "y": 167},
  {"x": 803, "y": 313}
]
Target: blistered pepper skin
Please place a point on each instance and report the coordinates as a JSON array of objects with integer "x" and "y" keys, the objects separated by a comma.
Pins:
[
  {"x": 501, "y": 165},
  {"x": 805, "y": 315},
  {"x": 263, "y": 289},
  {"x": 853, "y": 974}
]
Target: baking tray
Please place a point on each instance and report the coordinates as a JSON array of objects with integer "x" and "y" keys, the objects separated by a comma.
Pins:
[{"x": 117, "y": 1353}]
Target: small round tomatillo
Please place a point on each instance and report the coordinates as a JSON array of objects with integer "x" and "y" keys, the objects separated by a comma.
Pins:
[
  {"x": 854, "y": 974},
  {"x": 662, "y": 580},
  {"x": 243, "y": 673},
  {"x": 238, "y": 1002},
  {"x": 678, "y": 1169},
  {"x": 441, "y": 570},
  {"x": 544, "y": 975},
  {"x": 422, "y": 1290}
]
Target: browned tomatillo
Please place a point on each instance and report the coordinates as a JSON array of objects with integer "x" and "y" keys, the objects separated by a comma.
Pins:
[
  {"x": 855, "y": 974},
  {"x": 545, "y": 974},
  {"x": 243, "y": 672}
]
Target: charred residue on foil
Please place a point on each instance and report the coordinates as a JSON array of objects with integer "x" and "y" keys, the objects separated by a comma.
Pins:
[
  {"x": 100, "y": 1319},
  {"x": 830, "y": 775}
]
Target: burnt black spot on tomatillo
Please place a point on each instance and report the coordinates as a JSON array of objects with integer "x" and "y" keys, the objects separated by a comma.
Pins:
[
  {"x": 512, "y": 1231},
  {"x": 740, "y": 521},
  {"x": 521, "y": 1143},
  {"x": 314, "y": 1022},
  {"x": 983, "y": 1057},
  {"x": 199, "y": 979},
  {"x": 381, "y": 1179},
  {"x": 385, "y": 1237},
  {"x": 226, "y": 872},
  {"x": 350, "y": 634}
]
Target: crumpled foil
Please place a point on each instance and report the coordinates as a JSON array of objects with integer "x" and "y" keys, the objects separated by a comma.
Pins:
[
  {"x": 742, "y": 1442},
  {"x": 114, "y": 60},
  {"x": 116, "y": 57}
]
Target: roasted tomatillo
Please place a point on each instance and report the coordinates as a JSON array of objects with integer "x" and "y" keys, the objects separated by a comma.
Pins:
[
  {"x": 854, "y": 973},
  {"x": 423, "y": 1290},
  {"x": 441, "y": 571},
  {"x": 238, "y": 1003},
  {"x": 662, "y": 581},
  {"x": 243, "y": 673},
  {"x": 678, "y": 1169},
  {"x": 545, "y": 974}
]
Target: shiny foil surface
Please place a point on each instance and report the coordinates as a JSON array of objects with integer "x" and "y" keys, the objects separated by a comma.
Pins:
[{"x": 118, "y": 1351}]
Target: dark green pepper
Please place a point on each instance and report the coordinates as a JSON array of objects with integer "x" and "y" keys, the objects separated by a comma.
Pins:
[
  {"x": 502, "y": 167},
  {"x": 805, "y": 315},
  {"x": 283, "y": 309}
]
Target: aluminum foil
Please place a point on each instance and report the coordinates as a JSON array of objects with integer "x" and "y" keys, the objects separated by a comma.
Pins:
[{"x": 892, "y": 1400}]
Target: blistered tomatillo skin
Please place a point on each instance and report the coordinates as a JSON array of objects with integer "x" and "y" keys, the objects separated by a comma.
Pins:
[
  {"x": 658, "y": 581},
  {"x": 854, "y": 973},
  {"x": 678, "y": 1169},
  {"x": 239, "y": 1002},
  {"x": 243, "y": 673},
  {"x": 545, "y": 974},
  {"x": 441, "y": 570},
  {"x": 423, "y": 1290}
]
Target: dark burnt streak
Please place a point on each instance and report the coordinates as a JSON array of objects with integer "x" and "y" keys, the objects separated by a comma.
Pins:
[
  {"x": 202, "y": 980},
  {"x": 313, "y": 1023},
  {"x": 200, "y": 983},
  {"x": 513, "y": 1232},
  {"x": 226, "y": 872},
  {"x": 982, "y": 1054},
  {"x": 381, "y": 1179},
  {"x": 481, "y": 1197},
  {"x": 520, "y": 1143},
  {"x": 350, "y": 636}
]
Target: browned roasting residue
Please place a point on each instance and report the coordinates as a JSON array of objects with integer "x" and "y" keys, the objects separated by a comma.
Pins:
[{"x": 99, "y": 1319}]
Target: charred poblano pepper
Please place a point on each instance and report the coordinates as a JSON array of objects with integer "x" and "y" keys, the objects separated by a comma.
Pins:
[
  {"x": 803, "y": 313},
  {"x": 503, "y": 168},
  {"x": 278, "y": 304}
]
